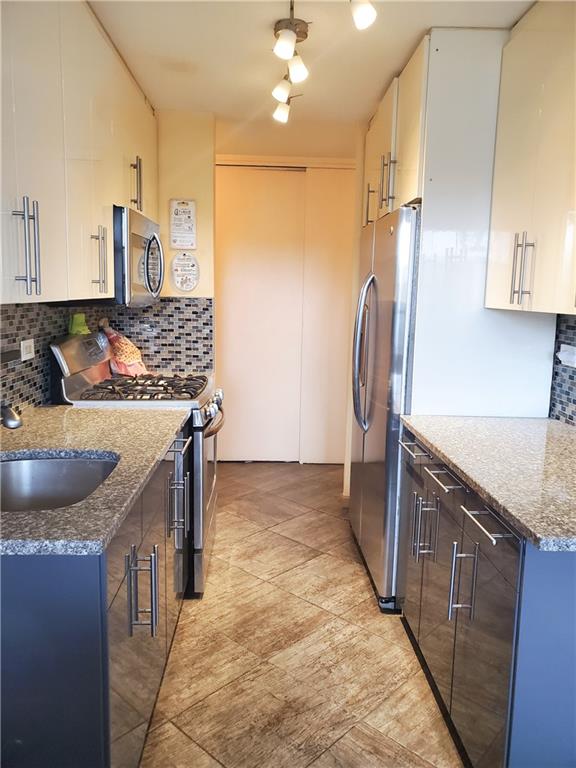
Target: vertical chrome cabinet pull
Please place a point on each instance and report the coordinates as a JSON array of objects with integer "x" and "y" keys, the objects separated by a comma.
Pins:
[
  {"x": 104, "y": 236},
  {"x": 415, "y": 501},
  {"x": 186, "y": 503},
  {"x": 513, "y": 290},
  {"x": 137, "y": 166},
  {"x": 25, "y": 215},
  {"x": 418, "y": 528},
  {"x": 36, "y": 219},
  {"x": 369, "y": 192},
  {"x": 427, "y": 547},
  {"x": 99, "y": 282},
  {"x": 389, "y": 196},
  {"x": 133, "y": 567},
  {"x": 471, "y": 606},
  {"x": 382, "y": 187},
  {"x": 523, "y": 261}
]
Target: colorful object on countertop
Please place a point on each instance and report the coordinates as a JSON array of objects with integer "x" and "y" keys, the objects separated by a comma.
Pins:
[
  {"x": 77, "y": 325},
  {"x": 127, "y": 358}
]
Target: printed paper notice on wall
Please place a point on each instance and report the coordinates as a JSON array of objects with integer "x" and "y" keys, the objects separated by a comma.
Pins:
[
  {"x": 182, "y": 224},
  {"x": 186, "y": 271}
]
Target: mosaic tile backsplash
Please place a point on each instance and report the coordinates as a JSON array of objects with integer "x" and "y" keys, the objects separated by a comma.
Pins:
[
  {"x": 175, "y": 335},
  {"x": 563, "y": 396}
]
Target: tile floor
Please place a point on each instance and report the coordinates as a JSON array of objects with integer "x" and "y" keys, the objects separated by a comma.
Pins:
[{"x": 287, "y": 661}]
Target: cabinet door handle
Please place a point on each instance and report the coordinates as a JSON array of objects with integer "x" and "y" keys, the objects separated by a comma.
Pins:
[
  {"x": 513, "y": 290},
  {"x": 431, "y": 548},
  {"x": 24, "y": 214},
  {"x": 383, "y": 187},
  {"x": 471, "y": 606},
  {"x": 104, "y": 239},
  {"x": 100, "y": 238},
  {"x": 416, "y": 500},
  {"x": 37, "y": 260},
  {"x": 137, "y": 166},
  {"x": 524, "y": 258},
  {"x": 389, "y": 196},
  {"x": 446, "y": 488},
  {"x": 133, "y": 568},
  {"x": 413, "y": 454},
  {"x": 369, "y": 192},
  {"x": 493, "y": 537},
  {"x": 418, "y": 528}
]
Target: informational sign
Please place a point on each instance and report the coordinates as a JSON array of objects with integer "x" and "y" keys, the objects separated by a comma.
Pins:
[
  {"x": 185, "y": 271},
  {"x": 182, "y": 224}
]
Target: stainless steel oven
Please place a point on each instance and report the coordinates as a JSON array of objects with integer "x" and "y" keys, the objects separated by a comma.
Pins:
[
  {"x": 138, "y": 258},
  {"x": 205, "y": 463}
]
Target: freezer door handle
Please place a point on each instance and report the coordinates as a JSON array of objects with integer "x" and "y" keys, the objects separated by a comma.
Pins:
[{"x": 359, "y": 351}]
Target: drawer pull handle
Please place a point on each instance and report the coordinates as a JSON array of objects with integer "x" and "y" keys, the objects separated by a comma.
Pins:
[
  {"x": 413, "y": 454},
  {"x": 133, "y": 568},
  {"x": 471, "y": 606},
  {"x": 446, "y": 488},
  {"x": 473, "y": 515}
]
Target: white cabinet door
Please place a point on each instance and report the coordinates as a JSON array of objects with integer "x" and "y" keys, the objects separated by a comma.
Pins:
[
  {"x": 386, "y": 126},
  {"x": 532, "y": 246},
  {"x": 35, "y": 151},
  {"x": 380, "y": 158},
  {"x": 139, "y": 142},
  {"x": 91, "y": 160},
  {"x": 410, "y": 126}
]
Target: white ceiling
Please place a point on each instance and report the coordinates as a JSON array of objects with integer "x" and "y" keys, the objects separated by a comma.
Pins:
[{"x": 217, "y": 56}]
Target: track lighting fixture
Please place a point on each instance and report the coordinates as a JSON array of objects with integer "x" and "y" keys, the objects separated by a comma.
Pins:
[
  {"x": 297, "y": 70},
  {"x": 288, "y": 32},
  {"x": 363, "y": 13},
  {"x": 282, "y": 112},
  {"x": 282, "y": 91}
]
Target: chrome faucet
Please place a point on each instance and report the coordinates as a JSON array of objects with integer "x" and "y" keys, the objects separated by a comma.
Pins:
[{"x": 10, "y": 417}]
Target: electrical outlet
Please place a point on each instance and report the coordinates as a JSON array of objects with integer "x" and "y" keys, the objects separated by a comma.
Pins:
[{"x": 27, "y": 349}]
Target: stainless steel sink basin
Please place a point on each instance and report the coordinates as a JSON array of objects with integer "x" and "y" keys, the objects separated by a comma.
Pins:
[{"x": 28, "y": 484}]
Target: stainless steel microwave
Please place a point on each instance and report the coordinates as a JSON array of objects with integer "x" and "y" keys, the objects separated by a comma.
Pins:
[{"x": 138, "y": 258}]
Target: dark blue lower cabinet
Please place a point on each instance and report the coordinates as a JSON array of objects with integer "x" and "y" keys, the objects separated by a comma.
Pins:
[{"x": 84, "y": 646}]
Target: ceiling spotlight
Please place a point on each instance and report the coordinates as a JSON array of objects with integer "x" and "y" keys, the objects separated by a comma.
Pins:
[
  {"x": 288, "y": 32},
  {"x": 285, "y": 44},
  {"x": 363, "y": 13},
  {"x": 282, "y": 91},
  {"x": 297, "y": 70},
  {"x": 282, "y": 112}
]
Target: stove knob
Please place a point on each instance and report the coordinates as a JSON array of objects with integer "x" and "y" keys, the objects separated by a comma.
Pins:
[{"x": 218, "y": 396}]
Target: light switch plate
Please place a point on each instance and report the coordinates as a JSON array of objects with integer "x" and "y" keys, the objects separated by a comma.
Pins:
[{"x": 27, "y": 349}]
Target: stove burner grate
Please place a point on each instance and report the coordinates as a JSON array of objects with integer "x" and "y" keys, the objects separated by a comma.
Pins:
[{"x": 147, "y": 388}]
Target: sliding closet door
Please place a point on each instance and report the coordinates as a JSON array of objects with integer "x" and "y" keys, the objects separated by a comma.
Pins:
[
  {"x": 258, "y": 305},
  {"x": 326, "y": 336}
]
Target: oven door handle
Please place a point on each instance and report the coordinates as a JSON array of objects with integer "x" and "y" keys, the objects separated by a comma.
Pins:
[{"x": 215, "y": 425}]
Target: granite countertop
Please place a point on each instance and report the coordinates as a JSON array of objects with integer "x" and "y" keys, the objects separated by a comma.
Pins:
[
  {"x": 524, "y": 468},
  {"x": 140, "y": 437}
]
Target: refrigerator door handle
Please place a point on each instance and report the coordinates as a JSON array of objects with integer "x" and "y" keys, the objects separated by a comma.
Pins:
[{"x": 359, "y": 352}]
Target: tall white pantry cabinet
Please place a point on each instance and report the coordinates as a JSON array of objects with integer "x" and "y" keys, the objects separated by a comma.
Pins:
[{"x": 73, "y": 124}]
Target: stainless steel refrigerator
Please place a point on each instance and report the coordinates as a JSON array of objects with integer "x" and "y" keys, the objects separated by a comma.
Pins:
[{"x": 382, "y": 364}]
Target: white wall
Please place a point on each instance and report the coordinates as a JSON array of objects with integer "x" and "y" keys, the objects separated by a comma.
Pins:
[{"x": 186, "y": 170}]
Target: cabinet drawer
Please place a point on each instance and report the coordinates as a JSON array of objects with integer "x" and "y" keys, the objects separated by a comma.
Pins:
[
  {"x": 498, "y": 543},
  {"x": 413, "y": 453}
]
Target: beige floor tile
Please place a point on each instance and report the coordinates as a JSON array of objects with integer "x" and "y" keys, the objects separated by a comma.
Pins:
[
  {"x": 338, "y": 507},
  {"x": 411, "y": 717},
  {"x": 329, "y": 582},
  {"x": 367, "y": 614},
  {"x": 316, "y": 529},
  {"x": 351, "y": 666},
  {"x": 264, "y": 619},
  {"x": 266, "y": 509},
  {"x": 266, "y": 554},
  {"x": 348, "y": 551},
  {"x": 265, "y": 719},
  {"x": 231, "y": 490},
  {"x": 201, "y": 661},
  {"x": 231, "y": 528},
  {"x": 168, "y": 747},
  {"x": 223, "y": 577},
  {"x": 316, "y": 491},
  {"x": 363, "y": 747}
]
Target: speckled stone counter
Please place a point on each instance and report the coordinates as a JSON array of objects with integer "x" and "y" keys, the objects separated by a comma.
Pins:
[
  {"x": 524, "y": 468},
  {"x": 140, "y": 437}
]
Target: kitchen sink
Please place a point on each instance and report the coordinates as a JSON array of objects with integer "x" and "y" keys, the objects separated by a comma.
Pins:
[{"x": 49, "y": 482}]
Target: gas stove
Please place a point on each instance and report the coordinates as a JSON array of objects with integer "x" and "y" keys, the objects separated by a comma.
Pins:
[
  {"x": 83, "y": 378},
  {"x": 150, "y": 387}
]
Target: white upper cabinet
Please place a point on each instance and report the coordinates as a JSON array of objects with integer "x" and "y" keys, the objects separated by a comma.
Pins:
[
  {"x": 33, "y": 174},
  {"x": 410, "y": 127},
  {"x": 74, "y": 123},
  {"x": 532, "y": 259},
  {"x": 380, "y": 157}
]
